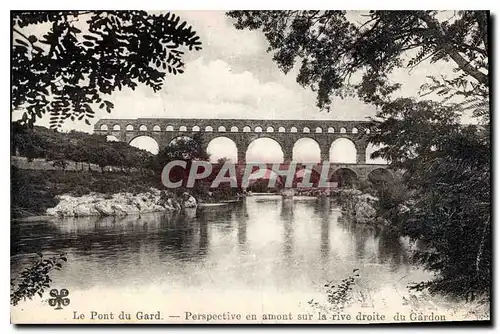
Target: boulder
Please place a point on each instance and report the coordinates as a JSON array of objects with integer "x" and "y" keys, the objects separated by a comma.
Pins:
[
  {"x": 188, "y": 201},
  {"x": 120, "y": 204}
]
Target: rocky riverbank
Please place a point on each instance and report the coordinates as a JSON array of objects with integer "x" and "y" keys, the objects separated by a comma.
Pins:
[
  {"x": 361, "y": 207},
  {"x": 120, "y": 204}
]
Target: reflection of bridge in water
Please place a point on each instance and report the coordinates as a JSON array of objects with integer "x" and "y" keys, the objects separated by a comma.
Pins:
[{"x": 243, "y": 132}]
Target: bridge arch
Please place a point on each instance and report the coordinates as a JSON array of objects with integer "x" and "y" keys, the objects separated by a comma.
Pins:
[
  {"x": 129, "y": 127},
  {"x": 306, "y": 149},
  {"x": 264, "y": 149},
  {"x": 281, "y": 129},
  {"x": 183, "y": 128},
  {"x": 343, "y": 150},
  {"x": 354, "y": 130},
  {"x": 319, "y": 130},
  {"x": 145, "y": 142},
  {"x": 209, "y": 129},
  {"x": 103, "y": 127},
  {"x": 116, "y": 127},
  {"x": 234, "y": 129},
  {"x": 156, "y": 128},
  {"x": 306, "y": 130},
  {"x": 221, "y": 128},
  {"x": 345, "y": 177},
  {"x": 293, "y": 129},
  {"x": 169, "y": 128},
  {"x": 247, "y": 129},
  {"x": 195, "y": 128},
  {"x": 222, "y": 147},
  {"x": 143, "y": 127},
  {"x": 331, "y": 130},
  {"x": 343, "y": 130},
  {"x": 270, "y": 129},
  {"x": 257, "y": 129}
]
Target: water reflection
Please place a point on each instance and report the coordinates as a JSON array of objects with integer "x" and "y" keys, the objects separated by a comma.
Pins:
[{"x": 265, "y": 243}]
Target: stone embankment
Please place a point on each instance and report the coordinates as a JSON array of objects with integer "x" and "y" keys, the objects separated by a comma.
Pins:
[{"x": 120, "y": 204}]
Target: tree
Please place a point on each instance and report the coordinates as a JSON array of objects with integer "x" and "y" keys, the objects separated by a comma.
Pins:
[
  {"x": 86, "y": 55},
  {"x": 332, "y": 48},
  {"x": 183, "y": 148},
  {"x": 446, "y": 164}
]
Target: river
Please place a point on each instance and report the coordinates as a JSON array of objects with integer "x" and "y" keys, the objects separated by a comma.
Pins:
[{"x": 267, "y": 254}]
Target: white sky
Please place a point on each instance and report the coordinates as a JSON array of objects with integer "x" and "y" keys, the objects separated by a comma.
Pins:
[{"x": 234, "y": 77}]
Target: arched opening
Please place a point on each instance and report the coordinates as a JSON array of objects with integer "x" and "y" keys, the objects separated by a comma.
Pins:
[
  {"x": 345, "y": 178},
  {"x": 331, "y": 130},
  {"x": 170, "y": 128},
  {"x": 380, "y": 176},
  {"x": 293, "y": 129},
  {"x": 306, "y": 130},
  {"x": 234, "y": 129},
  {"x": 281, "y": 129},
  {"x": 209, "y": 129},
  {"x": 264, "y": 150},
  {"x": 343, "y": 130},
  {"x": 183, "y": 128},
  {"x": 183, "y": 148},
  {"x": 145, "y": 143},
  {"x": 222, "y": 149},
  {"x": 104, "y": 127},
  {"x": 143, "y": 128},
  {"x": 258, "y": 181},
  {"x": 156, "y": 128},
  {"x": 370, "y": 149},
  {"x": 354, "y": 130},
  {"x": 257, "y": 129},
  {"x": 319, "y": 130},
  {"x": 343, "y": 150},
  {"x": 306, "y": 150},
  {"x": 129, "y": 127},
  {"x": 221, "y": 129},
  {"x": 116, "y": 127},
  {"x": 247, "y": 129},
  {"x": 367, "y": 131},
  {"x": 195, "y": 128},
  {"x": 111, "y": 138},
  {"x": 270, "y": 129}
]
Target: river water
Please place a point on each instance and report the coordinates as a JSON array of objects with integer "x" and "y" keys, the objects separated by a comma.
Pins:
[{"x": 266, "y": 255}]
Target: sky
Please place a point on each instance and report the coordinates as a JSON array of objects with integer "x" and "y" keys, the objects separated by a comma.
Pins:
[{"x": 234, "y": 77}]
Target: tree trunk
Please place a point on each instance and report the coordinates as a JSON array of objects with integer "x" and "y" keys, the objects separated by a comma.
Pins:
[{"x": 481, "y": 245}]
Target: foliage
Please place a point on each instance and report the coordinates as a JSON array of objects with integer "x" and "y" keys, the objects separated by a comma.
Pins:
[
  {"x": 40, "y": 142},
  {"x": 394, "y": 197},
  {"x": 34, "y": 191},
  {"x": 447, "y": 168},
  {"x": 333, "y": 46},
  {"x": 35, "y": 279},
  {"x": 83, "y": 56},
  {"x": 181, "y": 148}
]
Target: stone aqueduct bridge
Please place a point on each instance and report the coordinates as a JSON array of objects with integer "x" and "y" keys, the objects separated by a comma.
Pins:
[{"x": 244, "y": 131}]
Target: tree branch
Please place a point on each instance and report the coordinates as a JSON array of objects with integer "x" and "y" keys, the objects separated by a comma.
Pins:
[{"x": 441, "y": 37}]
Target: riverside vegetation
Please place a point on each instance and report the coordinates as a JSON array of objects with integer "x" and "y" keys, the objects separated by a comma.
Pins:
[{"x": 131, "y": 185}]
